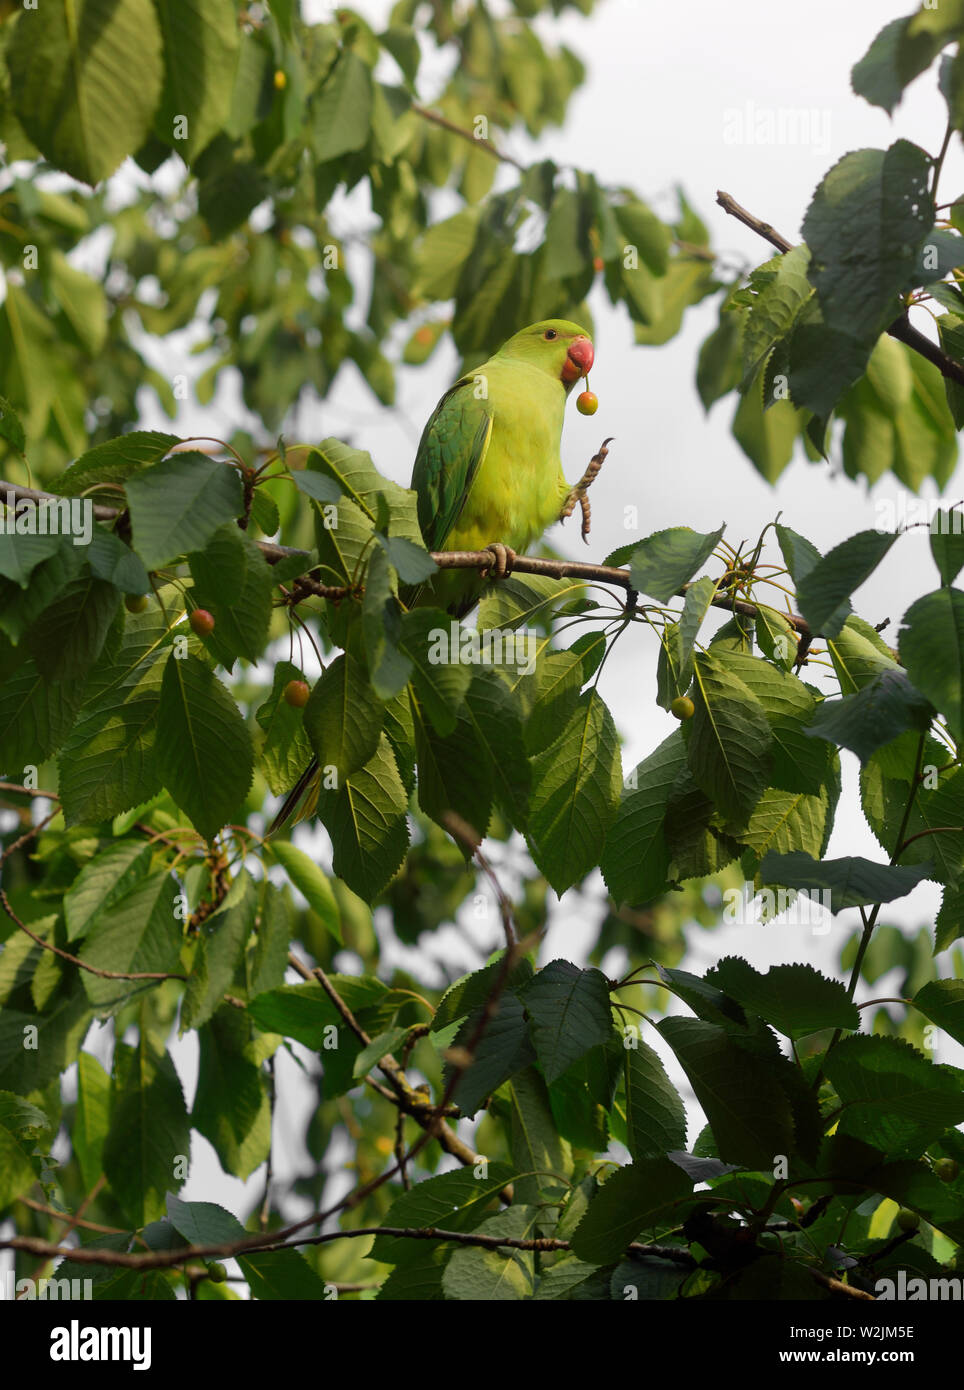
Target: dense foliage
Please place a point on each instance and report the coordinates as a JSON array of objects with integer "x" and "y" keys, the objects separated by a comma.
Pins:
[{"x": 150, "y": 704}]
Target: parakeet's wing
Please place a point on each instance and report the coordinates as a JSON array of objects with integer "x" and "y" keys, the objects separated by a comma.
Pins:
[{"x": 450, "y": 453}]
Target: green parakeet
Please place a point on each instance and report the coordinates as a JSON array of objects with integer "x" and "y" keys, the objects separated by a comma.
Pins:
[
  {"x": 488, "y": 465},
  {"x": 488, "y": 469}
]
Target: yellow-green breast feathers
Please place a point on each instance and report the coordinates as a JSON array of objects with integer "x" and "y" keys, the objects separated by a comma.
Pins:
[{"x": 488, "y": 466}]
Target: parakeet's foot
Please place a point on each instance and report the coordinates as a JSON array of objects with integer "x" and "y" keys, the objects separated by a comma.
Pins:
[
  {"x": 504, "y": 558},
  {"x": 578, "y": 493}
]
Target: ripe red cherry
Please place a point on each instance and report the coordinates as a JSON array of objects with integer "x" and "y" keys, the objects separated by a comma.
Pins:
[
  {"x": 296, "y": 694},
  {"x": 587, "y": 403},
  {"x": 201, "y": 622},
  {"x": 598, "y": 263}
]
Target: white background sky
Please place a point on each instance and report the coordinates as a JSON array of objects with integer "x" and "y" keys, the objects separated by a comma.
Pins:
[{"x": 656, "y": 110}]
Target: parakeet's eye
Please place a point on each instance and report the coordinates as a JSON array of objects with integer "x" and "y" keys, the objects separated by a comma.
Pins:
[{"x": 549, "y": 334}]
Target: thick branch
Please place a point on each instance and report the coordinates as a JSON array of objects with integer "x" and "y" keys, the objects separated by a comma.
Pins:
[
  {"x": 468, "y": 559},
  {"x": 902, "y": 329},
  {"x": 164, "y": 1259}
]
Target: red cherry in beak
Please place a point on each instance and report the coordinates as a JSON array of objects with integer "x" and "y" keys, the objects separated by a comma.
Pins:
[{"x": 579, "y": 360}]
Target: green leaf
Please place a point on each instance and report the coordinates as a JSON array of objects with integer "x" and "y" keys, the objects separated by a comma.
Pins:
[
  {"x": 10, "y": 427},
  {"x": 571, "y": 1279},
  {"x": 201, "y": 40},
  {"x": 343, "y": 719},
  {"x": 21, "y": 554},
  {"x": 655, "y": 1117},
  {"x": 766, "y": 436},
  {"x": 471, "y": 991},
  {"x": 931, "y": 644},
  {"x": 82, "y": 299},
  {"x": 86, "y": 80},
  {"x": 268, "y": 958},
  {"x": 740, "y": 1092},
  {"x": 177, "y": 505},
  {"x": 282, "y": 1275},
  {"x": 894, "y": 59},
  {"x": 220, "y": 949},
  {"x": 798, "y": 764},
  {"x": 492, "y": 711},
  {"x": 107, "y": 763},
  {"x": 503, "y": 1051},
  {"x": 61, "y": 1028},
  {"x": 570, "y": 1013},
  {"x": 522, "y": 600},
  {"x": 575, "y": 790},
  {"x": 203, "y": 1223},
  {"x": 800, "y": 558},
  {"x": 665, "y": 561},
  {"x": 234, "y": 583},
  {"x": 113, "y": 462},
  {"x": 367, "y": 823},
  {"x": 69, "y": 636},
  {"x": 867, "y": 219},
  {"x": 632, "y": 1201},
  {"x": 91, "y": 1118},
  {"x": 826, "y": 586},
  {"x": 110, "y": 559},
  {"x": 305, "y": 1013},
  {"x": 538, "y": 1151},
  {"x": 36, "y": 715},
  {"x": 306, "y": 876},
  {"x": 203, "y": 752},
  {"x": 495, "y": 1276},
  {"x": 859, "y": 655},
  {"x": 378, "y": 1048},
  {"x": 892, "y": 1097},
  {"x": 942, "y": 1001},
  {"x": 150, "y": 1131},
  {"x": 947, "y": 543},
  {"x": 102, "y": 881},
  {"x": 140, "y": 933},
  {"x": 730, "y": 740},
  {"x": 644, "y": 232},
  {"x": 231, "y": 1106},
  {"x": 285, "y": 752},
  {"x": 432, "y": 639},
  {"x": 949, "y": 926},
  {"x": 796, "y": 999},
  {"x": 882, "y": 710},
  {"x": 696, "y": 605},
  {"x": 774, "y": 307},
  {"x": 718, "y": 364},
  {"x": 851, "y": 882},
  {"x": 553, "y": 693},
  {"x": 22, "y": 1129},
  {"x": 342, "y": 111},
  {"x": 635, "y": 861},
  {"x": 454, "y": 1201},
  {"x": 381, "y": 628}
]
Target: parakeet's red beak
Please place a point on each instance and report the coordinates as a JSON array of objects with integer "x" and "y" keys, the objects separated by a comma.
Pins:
[{"x": 578, "y": 360}]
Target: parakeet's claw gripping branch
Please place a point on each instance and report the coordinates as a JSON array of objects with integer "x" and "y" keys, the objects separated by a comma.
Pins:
[{"x": 504, "y": 559}]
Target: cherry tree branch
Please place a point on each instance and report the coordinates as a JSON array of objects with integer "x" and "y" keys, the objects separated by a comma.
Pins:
[{"x": 902, "y": 329}]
